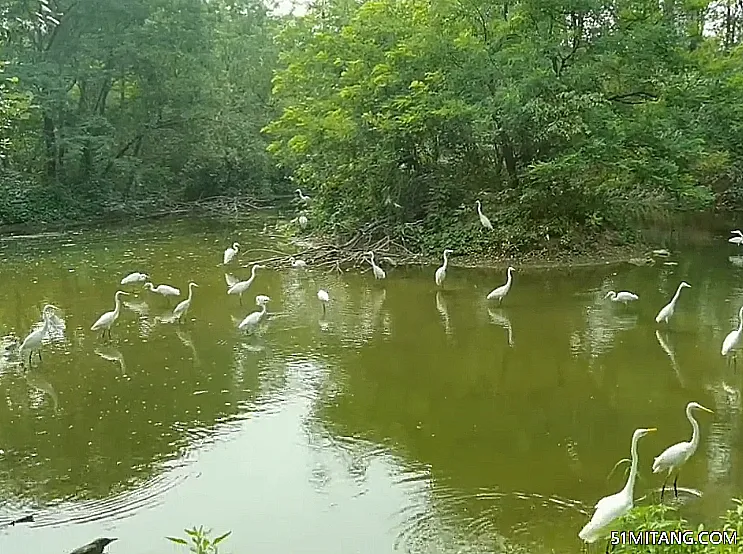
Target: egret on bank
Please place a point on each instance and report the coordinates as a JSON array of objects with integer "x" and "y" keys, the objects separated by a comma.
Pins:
[
  {"x": 302, "y": 197},
  {"x": 106, "y": 321},
  {"x": 253, "y": 319},
  {"x": 622, "y": 296},
  {"x": 733, "y": 339},
  {"x": 34, "y": 339},
  {"x": 230, "y": 253},
  {"x": 673, "y": 457},
  {"x": 440, "y": 274},
  {"x": 611, "y": 508},
  {"x": 667, "y": 312},
  {"x": 241, "y": 286},
  {"x": 378, "y": 271},
  {"x": 164, "y": 290},
  {"x": 501, "y": 292},
  {"x": 182, "y": 307},
  {"x": 134, "y": 278},
  {"x": 736, "y": 240},
  {"x": 303, "y": 221},
  {"x": 324, "y": 297},
  {"x": 484, "y": 221},
  {"x": 297, "y": 264}
]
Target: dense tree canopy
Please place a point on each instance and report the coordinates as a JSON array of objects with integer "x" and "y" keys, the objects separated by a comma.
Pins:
[{"x": 565, "y": 117}]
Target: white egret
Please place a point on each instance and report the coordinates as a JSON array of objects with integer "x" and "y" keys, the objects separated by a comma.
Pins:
[
  {"x": 241, "y": 286},
  {"x": 297, "y": 264},
  {"x": 303, "y": 221},
  {"x": 324, "y": 297},
  {"x": 34, "y": 339},
  {"x": 253, "y": 319},
  {"x": 501, "y": 292},
  {"x": 302, "y": 197},
  {"x": 378, "y": 271},
  {"x": 106, "y": 321},
  {"x": 182, "y": 307},
  {"x": 483, "y": 218},
  {"x": 673, "y": 457},
  {"x": 736, "y": 240},
  {"x": 164, "y": 290},
  {"x": 230, "y": 279},
  {"x": 733, "y": 338},
  {"x": 134, "y": 278},
  {"x": 611, "y": 508},
  {"x": 230, "y": 253},
  {"x": 667, "y": 312},
  {"x": 622, "y": 296},
  {"x": 440, "y": 274}
]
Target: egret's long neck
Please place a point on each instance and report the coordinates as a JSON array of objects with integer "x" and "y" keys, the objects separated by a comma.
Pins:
[
  {"x": 740, "y": 320},
  {"x": 695, "y": 427},
  {"x": 252, "y": 271},
  {"x": 630, "y": 486},
  {"x": 371, "y": 257},
  {"x": 676, "y": 296},
  {"x": 47, "y": 322},
  {"x": 446, "y": 259},
  {"x": 479, "y": 209},
  {"x": 190, "y": 292},
  {"x": 508, "y": 281},
  {"x": 117, "y": 308}
]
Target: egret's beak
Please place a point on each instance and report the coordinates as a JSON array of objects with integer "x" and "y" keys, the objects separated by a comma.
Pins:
[
  {"x": 706, "y": 410},
  {"x": 652, "y": 429}
]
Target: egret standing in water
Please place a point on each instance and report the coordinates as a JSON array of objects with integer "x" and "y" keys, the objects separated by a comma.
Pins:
[
  {"x": 165, "y": 290},
  {"x": 667, "y": 312},
  {"x": 484, "y": 221},
  {"x": 611, "y": 508},
  {"x": 35, "y": 338},
  {"x": 297, "y": 264},
  {"x": 733, "y": 339},
  {"x": 673, "y": 457},
  {"x": 440, "y": 274},
  {"x": 324, "y": 297},
  {"x": 182, "y": 307},
  {"x": 623, "y": 296},
  {"x": 106, "y": 321},
  {"x": 241, "y": 286},
  {"x": 378, "y": 271},
  {"x": 134, "y": 278},
  {"x": 253, "y": 319},
  {"x": 501, "y": 292},
  {"x": 230, "y": 253}
]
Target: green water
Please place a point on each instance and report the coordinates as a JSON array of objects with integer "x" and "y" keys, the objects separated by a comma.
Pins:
[{"x": 402, "y": 420}]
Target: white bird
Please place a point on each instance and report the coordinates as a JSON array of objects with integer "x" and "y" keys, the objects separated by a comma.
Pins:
[
  {"x": 324, "y": 297},
  {"x": 611, "y": 508},
  {"x": 302, "y": 197},
  {"x": 107, "y": 320},
  {"x": 134, "y": 278},
  {"x": 241, "y": 286},
  {"x": 483, "y": 218},
  {"x": 667, "y": 312},
  {"x": 378, "y": 271},
  {"x": 165, "y": 290},
  {"x": 623, "y": 296},
  {"x": 230, "y": 253},
  {"x": 297, "y": 264},
  {"x": 733, "y": 338},
  {"x": 440, "y": 274},
  {"x": 501, "y": 292},
  {"x": 673, "y": 457},
  {"x": 303, "y": 221},
  {"x": 230, "y": 279},
  {"x": 34, "y": 339},
  {"x": 253, "y": 319},
  {"x": 736, "y": 240},
  {"x": 183, "y": 306}
]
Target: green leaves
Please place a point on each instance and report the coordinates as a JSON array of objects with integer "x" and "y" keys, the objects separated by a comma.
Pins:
[{"x": 200, "y": 540}]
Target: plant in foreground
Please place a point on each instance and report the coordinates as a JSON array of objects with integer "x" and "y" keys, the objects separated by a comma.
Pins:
[{"x": 201, "y": 541}]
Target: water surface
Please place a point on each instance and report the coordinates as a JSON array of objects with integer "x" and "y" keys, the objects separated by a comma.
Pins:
[{"x": 405, "y": 419}]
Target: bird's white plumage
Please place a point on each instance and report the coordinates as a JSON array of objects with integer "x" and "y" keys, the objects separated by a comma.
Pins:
[
  {"x": 134, "y": 278},
  {"x": 501, "y": 292},
  {"x": 302, "y": 197},
  {"x": 323, "y": 296},
  {"x": 622, "y": 296},
  {"x": 164, "y": 290},
  {"x": 34, "y": 339},
  {"x": 303, "y": 221},
  {"x": 440, "y": 274},
  {"x": 297, "y": 264},
  {"x": 733, "y": 338},
  {"x": 253, "y": 319},
  {"x": 484, "y": 221},
  {"x": 677, "y": 455},
  {"x": 182, "y": 308},
  {"x": 241, "y": 286},
  {"x": 109, "y": 318},
  {"x": 378, "y": 271},
  {"x": 667, "y": 311},
  {"x": 230, "y": 253}
]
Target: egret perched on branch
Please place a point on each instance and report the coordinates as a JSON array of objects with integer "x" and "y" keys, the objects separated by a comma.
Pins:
[
  {"x": 134, "y": 278},
  {"x": 253, "y": 319},
  {"x": 182, "y": 307},
  {"x": 611, "y": 508},
  {"x": 241, "y": 286},
  {"x": 106, "y": 321},
  {"x": 34, "y": 339},
  {"x": 673, "y": 457},
  {"x": 733, "y": 338},
  {"x": 302, "y": 197},
  {"x": 667, "y": 312},
  {"x": 440, "y": 274},
  {"x": 324, "y": 297},
  {"x": 303, "y": 221},
  {"x": 623, "y": 296},
  {"x": 378, "y": 271},
  {"x": 501, "y": 292},
  {"x": 165, "y": 290},
  {"x": 483, "y": 218},
  {"x": 230, "y": 253},
  {"x": 297, "y": 264}
]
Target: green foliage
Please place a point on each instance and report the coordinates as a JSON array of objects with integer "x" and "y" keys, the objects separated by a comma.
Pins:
[{"x": 199, "y": 540}]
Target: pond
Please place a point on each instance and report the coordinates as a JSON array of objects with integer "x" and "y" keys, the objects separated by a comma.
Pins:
[{"x": 404, "y": 419}]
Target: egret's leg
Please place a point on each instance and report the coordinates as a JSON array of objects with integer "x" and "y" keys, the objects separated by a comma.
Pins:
[
  {"x": 240, "y": 296},
  {"x": 675, "y": 490},
  {"x": 664, "y": 484},
  {"x": 29, "y": 358},
  {"x": 323, "y": 307},
  {"x": 607, "y": 546},
  {"x": 39, "y": 353}
]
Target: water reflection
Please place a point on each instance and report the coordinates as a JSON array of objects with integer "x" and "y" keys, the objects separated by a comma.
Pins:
[
  {"x": 443, "y": 311},
  {"x": 112, "y": 354},
  {"x": 663, "y": 340},
  {"x": 39, "y": 382},
  {"x": 499, "y": 317}
]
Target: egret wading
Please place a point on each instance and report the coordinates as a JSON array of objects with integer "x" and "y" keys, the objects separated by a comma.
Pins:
[
  {"x": 34, "y": 339},
  {"x": 611, "y": 508},
  {"x": 95, "y": 547},
  {"x": 241, "y": 286},
  {"x": 134, "y": 278},
  {"x": 484, "y": 221},
  {"x": 500, "y": 293},
  {"x": 165, "y": 290},
  {"x": 230, "y": 253},
  {"x": 253, "y": 319},
  {"x": 673, "y": 457},
  {"x": 182, "y": 308},
  {"x": 324, "y": 297},
  {"x": 666, "y": 313},
  {"x": 440, "y": 274},
  {"x": 733, "y": 338},
  {"x": 623, "y": 296},
  {"x": 297, "y": 264},
  {"x": 106, "y": 321},
  {"x": 378, "y": 271}
]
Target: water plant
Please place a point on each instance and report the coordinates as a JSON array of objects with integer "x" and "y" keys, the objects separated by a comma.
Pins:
[{"x": 199, "y": 540}]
